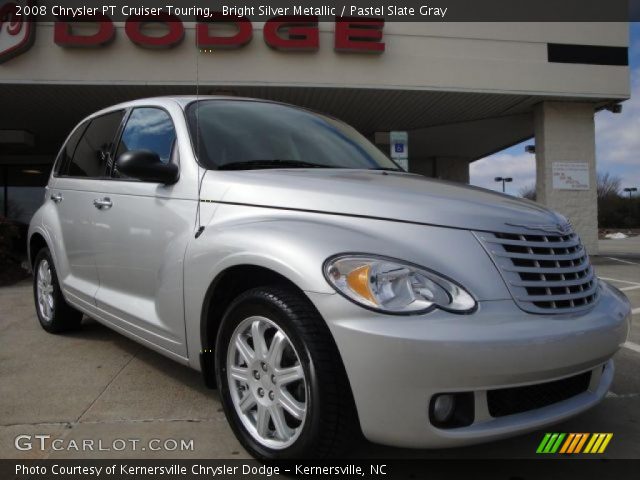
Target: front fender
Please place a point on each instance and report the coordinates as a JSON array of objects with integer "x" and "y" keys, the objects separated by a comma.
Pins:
[
  {"x": 295, "y": 245},
  {"x": 292, "y": 248}
]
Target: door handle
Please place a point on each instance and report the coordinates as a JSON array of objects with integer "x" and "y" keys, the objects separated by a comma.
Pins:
[
  {"x": 103, "y": 203},
  {"x": 56, "y": 197}
]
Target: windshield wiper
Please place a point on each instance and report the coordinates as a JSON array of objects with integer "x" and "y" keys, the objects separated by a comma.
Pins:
[{"x": 273, "y": 163}]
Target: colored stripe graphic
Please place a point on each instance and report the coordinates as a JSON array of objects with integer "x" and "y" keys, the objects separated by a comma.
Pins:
[
  {"x": 576, "y": 439},
  {"x": 573, "y": 443},
  {"x": 544, "y": 441},
  {"x": 581, "y": 443},
  {"x": 608, "y": 438},
  {"x": 551, "y": 443},
  {"x": 598, "y": 443},
  {"x": 556, "y": 446},
  {"x": 594, "y": 437},
  {"x": 567, "y": 443}
]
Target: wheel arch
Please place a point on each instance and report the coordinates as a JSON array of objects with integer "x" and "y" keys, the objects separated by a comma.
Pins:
[
  {"x": 224, "y": 288},
  {"x": 36, "y": 243}
]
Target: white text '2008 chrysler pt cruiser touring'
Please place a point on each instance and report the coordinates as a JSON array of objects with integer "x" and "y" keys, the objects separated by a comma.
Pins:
[{"x": 323, "y": 290}]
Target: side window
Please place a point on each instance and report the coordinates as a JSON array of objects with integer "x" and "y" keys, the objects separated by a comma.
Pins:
[
  {"x": 151, "y": 129},
  {"x": 92, "y": 153},
  {"x": 66, "y": 154}
]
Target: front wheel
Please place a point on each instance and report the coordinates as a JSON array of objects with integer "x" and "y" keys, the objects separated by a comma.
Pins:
[{"x": 283, "y": 386}]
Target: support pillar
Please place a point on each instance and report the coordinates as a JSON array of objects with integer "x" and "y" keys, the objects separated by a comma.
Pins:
[
  {"x": 454, "y": 169},
  {"x": 422, "y": 166},
  {"x": 565, "y": 132}
]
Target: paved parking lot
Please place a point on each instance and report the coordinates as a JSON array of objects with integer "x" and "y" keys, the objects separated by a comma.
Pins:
[{"x": 97, "y": 385}]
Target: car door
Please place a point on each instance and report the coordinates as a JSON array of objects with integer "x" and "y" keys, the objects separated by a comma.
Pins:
[
  {"x": 80, "y": 173},
  {"x": 142, "y": 237}
]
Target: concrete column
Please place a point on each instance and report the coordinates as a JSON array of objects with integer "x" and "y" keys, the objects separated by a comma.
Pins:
[
  {"x": 422, "y": 166},
  {"x": 565, "y": 132},
  {"x": 454, "y": 169}
]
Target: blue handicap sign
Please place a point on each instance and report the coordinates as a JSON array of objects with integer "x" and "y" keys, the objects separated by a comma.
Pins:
[{"x": 399, "y": 147}]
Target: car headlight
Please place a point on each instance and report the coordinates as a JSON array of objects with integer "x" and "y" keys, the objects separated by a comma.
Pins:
[{"x": 393, "y": 286}]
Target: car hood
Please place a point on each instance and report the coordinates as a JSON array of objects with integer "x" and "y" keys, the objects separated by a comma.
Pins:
[{"x": 402, "y": 197}]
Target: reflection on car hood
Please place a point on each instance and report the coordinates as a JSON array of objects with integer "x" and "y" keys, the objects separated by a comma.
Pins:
[{"x": 386, "y": 195}]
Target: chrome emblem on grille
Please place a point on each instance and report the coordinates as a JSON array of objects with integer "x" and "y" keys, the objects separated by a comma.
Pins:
[{"x": 559, "y": 228}]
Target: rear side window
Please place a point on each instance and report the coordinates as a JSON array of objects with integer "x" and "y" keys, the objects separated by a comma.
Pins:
[
  {"x": 92, "y": 152},
  {"x": 67, "y": 151},
  {"x": 151, "y": 129}
]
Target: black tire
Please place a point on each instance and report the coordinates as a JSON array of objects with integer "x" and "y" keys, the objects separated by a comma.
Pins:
[
  {"x": 63, "y": 317},
  {"x": 330, "y": 426}
]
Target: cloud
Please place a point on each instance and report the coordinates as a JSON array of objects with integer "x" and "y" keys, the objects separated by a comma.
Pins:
[
  {"x": 618, "y": 135},
  {"x": 509, "y": 163}
]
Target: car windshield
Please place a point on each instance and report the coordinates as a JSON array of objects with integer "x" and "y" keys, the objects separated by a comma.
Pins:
[{"x": 242, "y": 135}]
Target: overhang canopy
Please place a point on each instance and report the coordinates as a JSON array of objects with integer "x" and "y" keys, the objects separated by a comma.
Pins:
[{"x": 437, "y": 120}]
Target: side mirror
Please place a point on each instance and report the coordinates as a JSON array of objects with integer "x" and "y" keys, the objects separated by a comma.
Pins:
[{"x": 146, "y": 166}]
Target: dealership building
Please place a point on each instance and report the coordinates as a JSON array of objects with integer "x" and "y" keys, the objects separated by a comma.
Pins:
[{"x": 461, "y": 91}]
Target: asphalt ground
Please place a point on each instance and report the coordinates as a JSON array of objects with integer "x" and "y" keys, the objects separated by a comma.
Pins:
[{"x": 97, "y": 386}]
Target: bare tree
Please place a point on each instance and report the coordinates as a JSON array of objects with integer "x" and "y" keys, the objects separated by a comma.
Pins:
[
  {"x": 608, "y": 185},
  {"x": 529, "y": 192}
]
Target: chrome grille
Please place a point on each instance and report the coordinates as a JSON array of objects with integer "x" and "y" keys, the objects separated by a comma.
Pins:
[{"x": 544, "y": 272}]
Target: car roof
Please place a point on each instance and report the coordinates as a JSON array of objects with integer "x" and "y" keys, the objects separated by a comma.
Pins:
[
  {"x": 184, "y": 100},
  {"x": 181, "y": 100}
]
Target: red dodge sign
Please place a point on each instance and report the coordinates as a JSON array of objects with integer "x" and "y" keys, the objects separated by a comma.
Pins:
[{"x": 289, "y": 33}]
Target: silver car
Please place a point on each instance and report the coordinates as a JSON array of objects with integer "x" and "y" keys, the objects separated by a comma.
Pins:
[{"x": 322, "y": 289}]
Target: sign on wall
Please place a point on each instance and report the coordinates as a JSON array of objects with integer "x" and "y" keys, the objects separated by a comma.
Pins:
[
  {"x": 399, "y": 143},
  {"x": 17, "y": 31},
  {"x": 287, "y": 33},
  {"x": 570, "y": 176}
]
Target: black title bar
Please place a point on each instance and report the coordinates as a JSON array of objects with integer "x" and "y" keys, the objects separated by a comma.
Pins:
[
  {"x": 372, "y": 469},
  {"x": 327, "y": 10}
]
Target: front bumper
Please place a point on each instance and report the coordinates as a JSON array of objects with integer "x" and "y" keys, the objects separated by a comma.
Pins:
[{"x": 395, "y": 364}]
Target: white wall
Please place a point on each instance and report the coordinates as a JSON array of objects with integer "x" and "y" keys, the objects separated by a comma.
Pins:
[{"x": 478, "y": 57}]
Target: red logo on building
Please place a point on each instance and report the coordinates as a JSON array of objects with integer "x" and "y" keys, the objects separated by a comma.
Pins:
[
  {"x": 293, "y": 33},
  {"x": 17, "y": 31}
]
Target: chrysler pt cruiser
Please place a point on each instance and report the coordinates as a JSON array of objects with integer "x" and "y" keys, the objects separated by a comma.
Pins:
[{"x": 324, "y": 291}]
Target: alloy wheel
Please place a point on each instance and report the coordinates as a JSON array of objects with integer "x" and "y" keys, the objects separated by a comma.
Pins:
[
  {"x": 44, "y": 289},
  {"x": 267, "y": 383}
]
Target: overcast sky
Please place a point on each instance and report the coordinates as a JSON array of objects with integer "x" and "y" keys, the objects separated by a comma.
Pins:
[{"x": 617, "y": 142}]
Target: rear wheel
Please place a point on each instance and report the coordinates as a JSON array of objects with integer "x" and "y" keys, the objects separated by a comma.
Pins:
[
  {"x": 283, "y": 386},
  {"x": 54, "y": 313}
]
